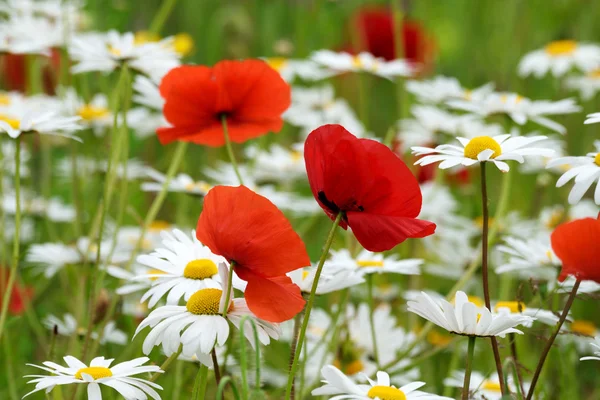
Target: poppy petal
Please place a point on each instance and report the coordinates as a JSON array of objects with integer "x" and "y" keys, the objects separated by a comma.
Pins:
[
  {"x": 381, "y": 232},
  {"x": 274, "y": 299},
  {"x": 575, "y": 243}
]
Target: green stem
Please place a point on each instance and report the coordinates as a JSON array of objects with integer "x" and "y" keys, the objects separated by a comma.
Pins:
[
  {"x": 162, "y": 15},
  {"x": 200, "y": 383},
  {"x": 372, "y": 317},
  {"x": 468, "y": 369},
  {"x": 230, "y": 149},
  {"x": 10, "y": 376},
  {"x": 166, "y": 364},
  {"x": 228, "y": 294},
  {"x": 221, "y": 388},
  {"x": 311, "y": 300},
  {"x": 16, "y": 238},
  {"x": 293, "y": 349},
  {"x": 550, "y": 341}
]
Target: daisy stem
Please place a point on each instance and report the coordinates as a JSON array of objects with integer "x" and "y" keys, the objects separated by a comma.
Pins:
[
  {"x": 484, "y": 270},
  {"x": 469, "y": 368},
  {"x": 200, "y": 383},
  {"x": 213, "y": 355},
  {"x": 513, "y": 349},
  {"x": 16, "y": 238},
  {"x": 230, "y": 149},
  {"x": 372, "y": 317},
  {"x": 309, "y": 304},
  {"x": 161, "y": 16},
  {"x": 166, "y": 364},
  {"x": 550, "y": 341}
]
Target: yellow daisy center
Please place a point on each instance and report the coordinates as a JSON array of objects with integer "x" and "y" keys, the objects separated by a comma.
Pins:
[
  {"x": 206, "y": 302},
  {"x": 14, "y": 123},
  {"x": 513, "y": 306},
  {"x": 200, "y": 269},
  {"x": 203, "y": 186},
  {"x": 143, "y": 37},
  {"x": 350, "y": 368},
  {"x": 94, "y": 372},
  {"x": 481, "y": 143},
  {"x": 491, "y": 386},
  {"x": 556, "y": 218},
  {"x": 183, "y": 43},
  {"x": 357, "y": 62},
  {"x": 277, "y": 63},
  {"x": 386, "y": 393},
  {"x": 158, "y": 226},
  {"x": 296, "y": 156},
  {"x": 561, "y": 48},
  {"x": 586, "y": 328},
  {"x": 594, "y": 74},
  {"x": 4, "y": 100},
  {"x": 91, "y": 113},
  {"x": 369, "y": 263},
  {"x": 114, "y": 51},
  {"x": 597, "y": 159},
  {"x": 478, "y": 301}
]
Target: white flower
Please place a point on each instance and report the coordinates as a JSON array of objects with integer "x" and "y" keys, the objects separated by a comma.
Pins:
[
  {"x": 328, "y": 282},
  {"x": 596, "y": 345},
  {"x": 94, "y": 114},
  {"x": 368, "y": 263},
  {"x": 593, "y": 118},
  {"x": 180, "y": 268},
  {"x": 440, "y": 89},
  {"x": 8, "y": 149},
  {"x": 363, "y": 62},
  {"x": 518, "y": 308},
  {"x": 482, "y": 149},
  {"x": 482, "y": 387},
  {"x": 519, "y": 108},
  {"x": 528, "y": 258},
  {"x": 147, "y": 93},
  {"x": 466, "y": 318},
  {"x": 108, "y": 51},
  {"x": 144, "y": 121},
  {"x": 584, "y": 170},
  {"x": 99, "y": 372},
  {"x": 86, "y": 165},
  {"x": 68, "y": 327},
  {"x": 29, "y": 34},
  {"x": 181, "y": 183},
  {"x": 560, "y": 57},
  {"x": 567, "y": 286},
  {"x": 202, "y": 322},
  {"x": 41, "y": 122},
  {"x": 587, "y": 85},
  {"x": 277, "y": 164},
  {"x": 341, "y": 387},
  {"x": 303, "y": 69},
  {"x": 539, "y": 164}
]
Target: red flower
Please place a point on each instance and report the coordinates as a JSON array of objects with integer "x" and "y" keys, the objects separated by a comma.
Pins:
[
  {"x": 250, "y": 94},
  {"x": 18, "y": 297},
  {"x": 13, "y": 70},
  {"x": 577, "y": 244},
  {"x": 365, "y": 180},
  {"x": 376, "y": 28},
  {"x": 251, "y": 233}
]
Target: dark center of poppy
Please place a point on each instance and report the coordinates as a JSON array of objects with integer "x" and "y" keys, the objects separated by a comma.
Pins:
[{"x": 350, "y": 205}]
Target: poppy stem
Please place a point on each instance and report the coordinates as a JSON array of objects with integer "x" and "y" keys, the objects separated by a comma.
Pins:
[
  {"x": 484, "y": 271},
  {"x": 309, "y": 304},
  {"x": 228, "y": 289},
  {"x": 16, "y": 238},
  {"x": 372, "y": 317},
  {"x": 546, "y": 350},
  {"x": 293, "y": 349},
  {"x": 468, "y": 369},
  {"x": 230, "y": 149}
]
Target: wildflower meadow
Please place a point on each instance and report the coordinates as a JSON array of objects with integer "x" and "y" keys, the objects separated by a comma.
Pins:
[{"x": 299, "y": 199}]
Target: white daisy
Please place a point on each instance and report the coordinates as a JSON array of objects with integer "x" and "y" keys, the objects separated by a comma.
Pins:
[
  {"x": 593, "y": 118},
  {"x": 587, "y": 85},
  {"x": 22, "y": 121},
  {"x": 202, "y": 322},
  {"x": 106, "y": 52},
  {"x": 304, "y": 69},
  {"x": 519, "y": 108},
  {"x": 560, "y": 57},
  {"x": 132, "y": 284},
  {"x": 181, "y": 183},
  {"x": 147, "y": 93},
  {"x": 338, "y": 385},
  {"x": 528, "y": 258},
  {"x": 181, "y": 267},
  {"x": 94, "y": 114},
  {"x": 584, "y": 170},
  {"x": 99, "y": 372},
  {"x": 29, "y": 34},
  {"x": 518, "y": 308},
  {"x": 466, "y": 318},
  {"x": 441, "y": 88},
  {"x": 482, "y": 387},
  {"x": 482, "y": 149},
  {"x": 328, "y": 282},
  {"x": 68, "y": 327},
  {"x": 596, "y": 345},
  {"x": 567, "y": 286},
  {"x": 277, "y": 164},
  {"x": 539, "y": 164},
  {"x": 367, "y": 262},
  {"x": 363, "y": 62}
]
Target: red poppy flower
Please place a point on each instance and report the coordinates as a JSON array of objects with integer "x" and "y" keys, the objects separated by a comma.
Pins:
[
  {"x": 364, "y": 179},
  {"x": 376, "y": 28},
  {"x": 250, "y": 94},
  {"x": 18, "y": 297},
  {"x": 13, "y": 71},
  {"x": 250, "y": 232},
  {"x": 577, "y": 245}
]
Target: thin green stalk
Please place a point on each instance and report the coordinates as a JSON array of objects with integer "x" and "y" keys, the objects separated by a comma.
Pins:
[
  {"x": 162, "y": 15},
  {"x": 76, "y": 192},
  {"x": 311, "y": 300},
  {"x": 16, "y": 239},
  {"x": 513, "y": 349},
  {"x": 401, "y": 100},
  {"x": 3, "y": 251},
  {"x": 371, "y": 303},
  {"x": 550, "y": 341},
  {"x": 293, "y": 349},
  {"x": 215, "y": 360},
  {"x": 228, "y": 294},
  {"x": 165, "y": 365},
  {"x": 221, "y": 388},
  {"x": 178, "y": 378},
  {"x": 199, "y": 391},
  {"x": 10, "y": 376},
  {"x": 469, "y": 368},
  {"x": 230, "y": 150}
]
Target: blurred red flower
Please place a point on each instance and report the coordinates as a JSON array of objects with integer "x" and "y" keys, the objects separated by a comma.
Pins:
[
  {"x": 19, "y": 296},
  {"x": 250, "y": 232},
  {"x": 376, "y": 28},
  {"x": 250, "y": 94},
  {"x": 364, "y": 179},
  {"x": 577, "y": 245},
  {"x": 13, "y": 71}
]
